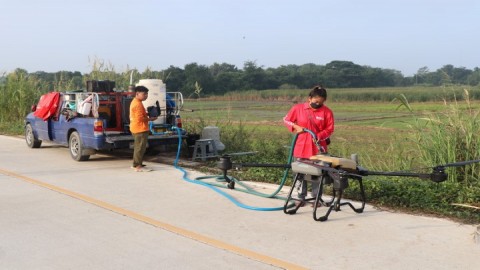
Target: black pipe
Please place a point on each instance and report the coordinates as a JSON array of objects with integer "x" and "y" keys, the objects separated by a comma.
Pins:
[
  {"x": 438, "y": 175},
  {"x": 420, "y": 175},
  {"x": 266, "y": 165}
]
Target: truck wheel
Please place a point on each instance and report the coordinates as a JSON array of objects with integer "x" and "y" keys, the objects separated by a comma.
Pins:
[
  {"x": 76, "y": 147},
  {"x": 32, "y": 142}
]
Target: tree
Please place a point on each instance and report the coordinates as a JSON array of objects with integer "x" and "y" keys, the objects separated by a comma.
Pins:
[
  {"x": 253, "y": 76},
  {"x": 228, "y": 81},
  {"x": 474, "y": 78},
  {"x": 460, "y": 75},
  {"x": 217, "y": 69},
  {"x": 344, "y": 74},
  {"x": 198, "y": 73},
  {"x": 446, "y": 74},
  {"x": 311, "y": 75},
  {"x": 175, "y": 79},
  {"x": 421, "y": 74},
  {"x": 225, "y": 77}
]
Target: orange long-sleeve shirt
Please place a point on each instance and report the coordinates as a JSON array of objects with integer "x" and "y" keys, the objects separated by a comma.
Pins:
[{"x": 138, "y": 117}]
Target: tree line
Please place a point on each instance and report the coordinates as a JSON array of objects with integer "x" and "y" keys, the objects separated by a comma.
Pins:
[{"x": 219, "y": 78}]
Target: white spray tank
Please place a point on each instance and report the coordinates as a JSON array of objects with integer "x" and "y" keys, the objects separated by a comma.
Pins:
[{"x": 157, "y": 91}]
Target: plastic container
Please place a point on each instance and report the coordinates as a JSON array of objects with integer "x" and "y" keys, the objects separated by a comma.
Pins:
[
  {"x": 212, "y": 132},
  {"x": 84, "y": 108},
  {"x": 157, "y": 91}
]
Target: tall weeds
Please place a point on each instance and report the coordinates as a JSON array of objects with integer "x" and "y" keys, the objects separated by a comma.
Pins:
[
  {"x": 451, "y": 136},
  {"x": 17, "y": 94}
]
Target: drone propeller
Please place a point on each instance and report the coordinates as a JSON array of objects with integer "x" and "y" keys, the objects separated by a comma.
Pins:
[{"x": 459, "y": 164}]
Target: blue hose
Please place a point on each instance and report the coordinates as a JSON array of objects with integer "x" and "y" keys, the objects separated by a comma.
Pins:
[{"x": 219, "y": 191}]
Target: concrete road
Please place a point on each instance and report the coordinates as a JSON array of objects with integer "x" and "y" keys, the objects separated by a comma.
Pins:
[{"x": 56, "y": 213}]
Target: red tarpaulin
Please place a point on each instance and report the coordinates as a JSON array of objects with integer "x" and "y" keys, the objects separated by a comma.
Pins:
[{"x": 47, "y": 105}]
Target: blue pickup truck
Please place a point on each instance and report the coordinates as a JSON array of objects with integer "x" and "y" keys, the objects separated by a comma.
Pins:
[{"x": 87, "y": 122}]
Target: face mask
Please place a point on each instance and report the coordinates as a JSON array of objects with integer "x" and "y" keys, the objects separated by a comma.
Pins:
[{"x": 315, "y": 105}]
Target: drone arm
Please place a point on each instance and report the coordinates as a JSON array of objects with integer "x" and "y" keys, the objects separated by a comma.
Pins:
[
  {"x": 404, "y": 174},
  {"x": 438, "y": 174},
  {"x": 262, "y": 165}
]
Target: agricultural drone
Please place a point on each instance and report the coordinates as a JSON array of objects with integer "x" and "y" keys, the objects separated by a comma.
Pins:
[{"x": 335, "y": 171}]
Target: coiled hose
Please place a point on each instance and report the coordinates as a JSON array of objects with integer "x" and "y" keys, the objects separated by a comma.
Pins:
[{"x": 216, "y": 187}]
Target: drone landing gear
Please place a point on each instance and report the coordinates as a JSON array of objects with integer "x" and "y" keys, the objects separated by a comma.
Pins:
[
  {"x": 337, "y": 204},
  {"x": 340, "y": 182},
  {"x": 300, "y": 202},
  {"x": 230, "y": 182}
]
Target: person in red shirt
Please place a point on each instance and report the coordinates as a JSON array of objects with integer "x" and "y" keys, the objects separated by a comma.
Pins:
[
  {"x": 317, "y": 117},
  {"x": 139, "y": 127}
]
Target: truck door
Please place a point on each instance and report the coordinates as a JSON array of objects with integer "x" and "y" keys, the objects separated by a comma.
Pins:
[
  {"x": 41, "y": 127},
  {"x": 58, "y": 129},
  {"x": 47, "y": 108}
]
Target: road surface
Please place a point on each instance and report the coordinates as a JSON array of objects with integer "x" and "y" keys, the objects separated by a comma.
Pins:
[{"x": 56, "y": 213}]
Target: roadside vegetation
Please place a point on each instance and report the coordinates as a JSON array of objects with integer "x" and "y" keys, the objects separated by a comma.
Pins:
[
  {"x": 390, "y": 128},
  {"x": 387, "y": 136}
]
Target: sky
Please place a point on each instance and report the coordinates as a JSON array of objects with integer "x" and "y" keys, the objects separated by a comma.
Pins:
[{"x": 404, "y": 35}]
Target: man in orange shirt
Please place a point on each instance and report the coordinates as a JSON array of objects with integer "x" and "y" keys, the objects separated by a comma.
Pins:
[{"x": 139, "y": 127}]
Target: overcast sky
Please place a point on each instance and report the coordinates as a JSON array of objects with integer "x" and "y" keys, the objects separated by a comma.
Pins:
[{"x": 405, "y": 35}]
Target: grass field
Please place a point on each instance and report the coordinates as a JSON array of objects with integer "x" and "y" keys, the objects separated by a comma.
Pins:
[{"x": 369, "y": 129}]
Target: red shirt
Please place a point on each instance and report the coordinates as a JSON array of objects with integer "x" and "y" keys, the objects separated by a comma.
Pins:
[{"x": 320, "y": 121}]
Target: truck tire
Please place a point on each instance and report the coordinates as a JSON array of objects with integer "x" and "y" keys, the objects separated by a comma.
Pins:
[
  {"x": 76, "y": 147},
  {"x": 32, "y": 142}
]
